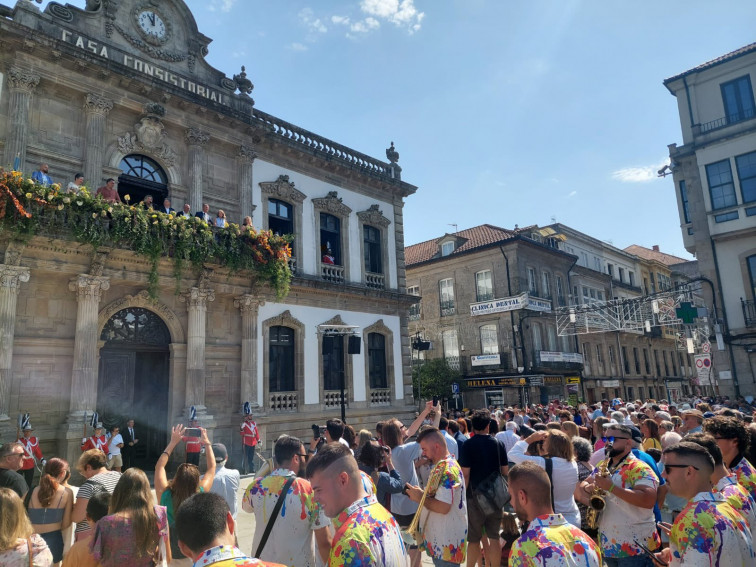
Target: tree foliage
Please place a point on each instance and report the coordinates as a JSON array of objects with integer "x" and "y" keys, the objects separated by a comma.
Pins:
[{"x": 433, "y": 378}]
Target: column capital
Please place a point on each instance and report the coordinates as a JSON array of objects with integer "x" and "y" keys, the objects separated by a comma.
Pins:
[
  {"x": 248, "y": 303},
  {"x": 197, "y": 297},
  {"x": 89, "y": 287},
  {"x": 196, "y": 137},
  {"x": 12, "y": 276},
  {"x": 96, "y": 104},
  {"x": 246, "y": 154},
  {"x": 21, "y": 80}
]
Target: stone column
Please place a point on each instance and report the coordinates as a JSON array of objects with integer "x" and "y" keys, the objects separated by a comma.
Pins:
[
  {"x": 249, "y": 305},
  {"x": 10, "y": 279},
  {"x": 84, "y": 378},
  {"x": 96, "y": 109},
  {"x": 244, "y": 159},
  {"x": 21, "y": 85},
  {"x": 196, "y": 300},
  {"x": 196, "y": 139}
]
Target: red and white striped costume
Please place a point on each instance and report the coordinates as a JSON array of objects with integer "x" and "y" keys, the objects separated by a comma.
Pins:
[
  {"x": 250, "y": 434},
  {"x": 31, "y": 446},
  {"x": 96, "y": 442}
]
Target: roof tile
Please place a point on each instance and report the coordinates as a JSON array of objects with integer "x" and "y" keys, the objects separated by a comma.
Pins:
[
  {"x": 649, "y": 254},
  {"x": 471, "y": 238}
]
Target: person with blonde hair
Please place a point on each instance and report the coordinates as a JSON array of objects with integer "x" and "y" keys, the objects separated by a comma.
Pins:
[
  {"x": 51, "y": 506},
  {"x": 132, "y": 533},
  {"x": 557, "y": 448},
  {"x": 19, "y": 545},
  {"x": 571, "y": 429}
]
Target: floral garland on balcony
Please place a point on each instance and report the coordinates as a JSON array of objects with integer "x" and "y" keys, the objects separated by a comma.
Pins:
[{"x": 28, "y": 208}]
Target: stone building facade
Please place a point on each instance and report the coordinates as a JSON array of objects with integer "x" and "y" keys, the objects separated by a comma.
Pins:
[
  {"x": 121, "y": 89},
  {"x": 714, "y": 180}
]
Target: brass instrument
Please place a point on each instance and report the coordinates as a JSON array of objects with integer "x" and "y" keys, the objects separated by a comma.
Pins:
[
  {"x": 433, "y": 481},
  {"x": 597, "y": 502}
]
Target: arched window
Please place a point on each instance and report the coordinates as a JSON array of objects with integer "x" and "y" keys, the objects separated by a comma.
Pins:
[
  {"x": 142, "y": 167},
  {"x": 377, "y": 360},
  {"x": 135, "y": 326},
  {"x": 281, "y": 360}
]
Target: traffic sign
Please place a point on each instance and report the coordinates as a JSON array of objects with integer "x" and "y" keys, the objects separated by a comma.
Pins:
[{"x": 455, "y": 388}]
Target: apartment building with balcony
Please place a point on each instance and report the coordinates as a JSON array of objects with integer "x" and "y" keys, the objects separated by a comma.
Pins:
[
  {"x": 714, "y": 174},
  {"x": 486, "y": 300}
]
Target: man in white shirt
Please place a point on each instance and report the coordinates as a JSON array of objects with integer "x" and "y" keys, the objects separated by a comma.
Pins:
[
  {"x": 451, "y": 443},
  {"x": 509, "y": 437},
  {"x": 115, "y": 461},
  {"x": 226, "y": 481},
  {"x": 295, "y": 536}
]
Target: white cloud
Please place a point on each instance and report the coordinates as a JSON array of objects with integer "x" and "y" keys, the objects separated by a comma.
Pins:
[
  {"x": 298, "y": 47},
  {"x": 572, "y": 194},
  {"x": 641, "y": 174},
  {"x": 340, "y": 20},
  {"x": 307, "y": 17},
  {"x": 222, "y": 5},
  {"x": 365, "y": 25},
  {"x": 401, "y": 13}
]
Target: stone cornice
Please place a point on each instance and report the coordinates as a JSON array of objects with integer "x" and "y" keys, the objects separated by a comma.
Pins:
[
  {"x": 197, "y": 298},
  {"x": 282, "y": 188}
]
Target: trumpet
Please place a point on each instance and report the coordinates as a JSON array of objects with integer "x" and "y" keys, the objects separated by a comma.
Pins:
[
  {"x": 597, "y": 502},
  {"x": 433, "y": 481}
]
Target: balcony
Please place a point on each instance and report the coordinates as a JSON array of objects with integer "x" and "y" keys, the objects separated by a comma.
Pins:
[
  {"x": 332, "y": 399},
  {"x": 727, "y": 121},
  {"x": 375, "y": 281},
  {"x": 414, "y": 314},
  {"x": 332, "y": 273},
  {"x": 458, "y": 363},
  {"x": 282, "y": 401},
  {"x": 488, "y": 296},
  {"x": 749, "y": 312},
  {"x": 448, "y": 308},
  {"x": 380, "y": 397}
]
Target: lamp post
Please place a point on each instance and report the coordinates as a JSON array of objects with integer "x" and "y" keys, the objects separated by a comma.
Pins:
[{"x": 353, "y": 347}]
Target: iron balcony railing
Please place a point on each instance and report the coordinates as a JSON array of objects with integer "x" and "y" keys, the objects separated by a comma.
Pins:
[
  {"x": 447, "y": 308},
  {"x": 749, "y": 312},
  {"x": 728, "y": 120}
]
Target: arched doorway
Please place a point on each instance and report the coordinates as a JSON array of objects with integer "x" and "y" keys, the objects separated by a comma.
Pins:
[
  {"x": 133, "y": 379},
  {"x": 142, "y": 176}
]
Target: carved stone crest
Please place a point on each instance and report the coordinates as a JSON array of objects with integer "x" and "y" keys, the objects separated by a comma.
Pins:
[
  {"x": 374, "y": 216},
  {"x": 150, "y": 132},
  {"x": 333, "y": 204},
  {"x": 149, "y": 135},
  {"x": 283, "y": 189}
]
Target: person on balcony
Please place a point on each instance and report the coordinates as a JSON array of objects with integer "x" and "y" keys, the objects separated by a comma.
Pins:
[
  {"x": 220, "y": 219},
  {"x": 328, "y": 257},
  {"x": 109, "y": 192},
  {"x": 204, "y": 214}
]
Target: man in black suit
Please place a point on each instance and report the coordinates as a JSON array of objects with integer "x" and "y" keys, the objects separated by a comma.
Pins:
[
  {"x": 204, "y": 214},
  {"x": 187, "y": 212},
  {"x": 167, "y": 207},
  {"x": 130, "y": 441}
]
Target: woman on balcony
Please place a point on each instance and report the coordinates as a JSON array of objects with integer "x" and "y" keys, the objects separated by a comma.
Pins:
[{"x": 220, "y": 220}]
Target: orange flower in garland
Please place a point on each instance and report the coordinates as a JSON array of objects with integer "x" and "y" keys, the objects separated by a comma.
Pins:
[{"x": 7, "y": 193}]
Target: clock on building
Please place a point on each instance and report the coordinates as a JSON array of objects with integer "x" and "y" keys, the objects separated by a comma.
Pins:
[{"x": 151, "y": 24}]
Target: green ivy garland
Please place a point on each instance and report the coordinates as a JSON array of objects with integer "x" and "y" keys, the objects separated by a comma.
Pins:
[{"x": 28, "y": 208}]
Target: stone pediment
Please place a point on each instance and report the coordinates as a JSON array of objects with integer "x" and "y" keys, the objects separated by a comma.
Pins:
[
  {"x": 374, "y": 216},
  {"x": 333, "y": 204},
  {"x": 282, "y": 189},
  {"x": 158, "y": 40}
]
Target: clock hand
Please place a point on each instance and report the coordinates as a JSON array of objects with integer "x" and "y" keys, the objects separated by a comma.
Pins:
[{"x": 151, "y": 16}]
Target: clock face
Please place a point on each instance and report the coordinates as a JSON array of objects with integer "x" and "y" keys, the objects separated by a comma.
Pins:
[{"x": 152, "y": 25}]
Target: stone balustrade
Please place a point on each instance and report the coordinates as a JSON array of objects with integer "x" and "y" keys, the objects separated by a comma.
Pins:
[
  {"x": 375, "y": 281},
  {"x": 380, "y": 397},
  {"x": 332, "y": 398},
  {"x": 331, "y": 273},
  {"x": 283, "y": 401}
]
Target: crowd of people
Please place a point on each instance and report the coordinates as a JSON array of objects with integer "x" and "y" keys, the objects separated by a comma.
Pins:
[
  {"x": 109, "y": 192},
  {"x": 616, "y": 484}
]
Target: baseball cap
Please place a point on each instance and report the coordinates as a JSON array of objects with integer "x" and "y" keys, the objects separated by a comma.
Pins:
[
  {"x": 636, "y": 434},
  {"x": 219, "y": 450}
]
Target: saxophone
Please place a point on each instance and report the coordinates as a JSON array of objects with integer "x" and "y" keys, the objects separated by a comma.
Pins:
[
  {"x": 433, "y": 481},
  {"x": 597, "y": 501}
]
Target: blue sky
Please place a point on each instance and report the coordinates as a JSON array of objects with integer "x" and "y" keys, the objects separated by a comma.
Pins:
[{"x": 503, "y": 112}]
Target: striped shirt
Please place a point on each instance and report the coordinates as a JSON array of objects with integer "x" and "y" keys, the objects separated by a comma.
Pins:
[{"x": 104, "y": 481}]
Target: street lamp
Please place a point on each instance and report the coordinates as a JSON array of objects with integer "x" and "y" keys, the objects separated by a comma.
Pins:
[{"x": 329, "y": 334}]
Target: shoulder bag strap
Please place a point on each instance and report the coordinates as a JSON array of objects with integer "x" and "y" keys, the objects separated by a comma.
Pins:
[
  {"x": 274, "y": 515},
  {"x": 549, "y": 471},
  {"x": 31, "y": 557}
]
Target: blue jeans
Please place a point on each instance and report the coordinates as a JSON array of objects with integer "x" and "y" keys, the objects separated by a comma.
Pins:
[
  {"x": 635, "y": 561},
  {"x": 443, "y": 563}
]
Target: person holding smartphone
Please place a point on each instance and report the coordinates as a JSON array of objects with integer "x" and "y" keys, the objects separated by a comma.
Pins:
[{"x": 193, "y": 443}]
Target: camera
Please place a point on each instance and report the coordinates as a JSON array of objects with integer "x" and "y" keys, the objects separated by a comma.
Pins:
[
  {"x": 318, "y": 431},
  {"x": 193, "y": 432}
]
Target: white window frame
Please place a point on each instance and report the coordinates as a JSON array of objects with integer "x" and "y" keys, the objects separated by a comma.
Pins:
[
  {"x": 480, "y": 280},
  {"x": 489, "y": 339}
]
